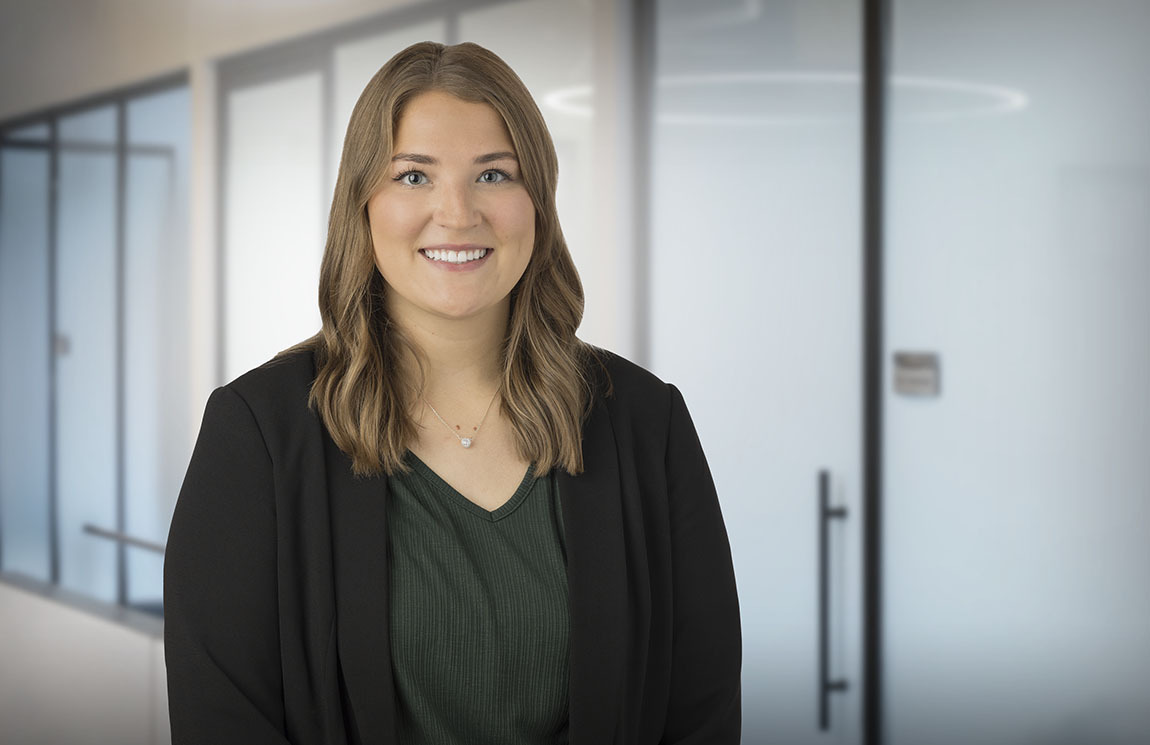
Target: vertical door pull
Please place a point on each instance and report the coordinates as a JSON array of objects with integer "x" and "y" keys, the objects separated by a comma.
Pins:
[{"x": 826, "y": 685}]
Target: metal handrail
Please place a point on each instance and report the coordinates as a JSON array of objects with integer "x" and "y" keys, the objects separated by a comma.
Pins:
[{"x": 124, "y": 538}]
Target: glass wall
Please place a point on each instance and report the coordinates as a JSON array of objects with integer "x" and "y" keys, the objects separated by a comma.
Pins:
[
  {"x": 1018, "y": 498},
  {"x": 93, "y": 353}
]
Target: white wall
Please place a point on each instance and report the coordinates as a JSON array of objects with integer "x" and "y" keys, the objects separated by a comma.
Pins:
[{"x": 69, "y": 675}]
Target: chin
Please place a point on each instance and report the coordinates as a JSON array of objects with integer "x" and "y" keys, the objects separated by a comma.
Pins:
[
  {"x": 461, "y": 312},
  {"x": 458, "y": 308}
]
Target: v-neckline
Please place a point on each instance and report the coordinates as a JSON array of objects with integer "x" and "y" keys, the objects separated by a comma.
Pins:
[{"x": 450, "y": 492}]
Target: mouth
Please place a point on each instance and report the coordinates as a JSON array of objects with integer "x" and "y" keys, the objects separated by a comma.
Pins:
[{"x": 462, "y": 255}]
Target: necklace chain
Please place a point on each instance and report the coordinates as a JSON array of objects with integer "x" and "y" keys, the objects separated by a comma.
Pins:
[{"x": 464, "y": 441}]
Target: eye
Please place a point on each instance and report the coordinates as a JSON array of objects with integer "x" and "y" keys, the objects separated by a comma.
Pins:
[
  {"x": 494, "y": 176},
  {"x": 412, "y": 178}
]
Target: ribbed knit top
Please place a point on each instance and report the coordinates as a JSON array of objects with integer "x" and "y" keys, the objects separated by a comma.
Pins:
[{"x": 479, "y": 619}]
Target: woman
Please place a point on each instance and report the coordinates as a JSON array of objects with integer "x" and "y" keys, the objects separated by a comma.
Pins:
[{"x": 444, "y": 519}]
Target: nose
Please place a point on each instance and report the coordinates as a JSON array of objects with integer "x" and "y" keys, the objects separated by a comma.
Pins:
[{"x": 457, "y": 208}]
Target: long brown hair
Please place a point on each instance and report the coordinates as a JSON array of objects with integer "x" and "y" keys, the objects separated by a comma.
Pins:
[{"x": 360, "y": 391}]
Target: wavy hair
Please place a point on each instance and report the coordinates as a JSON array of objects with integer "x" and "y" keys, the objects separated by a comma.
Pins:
[{"x": 361, "y": 391}]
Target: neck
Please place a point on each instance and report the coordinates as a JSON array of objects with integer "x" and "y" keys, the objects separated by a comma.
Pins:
[{"x": 461, "y": 356}]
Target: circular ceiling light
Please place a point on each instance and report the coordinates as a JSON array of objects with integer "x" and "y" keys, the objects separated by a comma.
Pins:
[{"x": 938, "y": 98}]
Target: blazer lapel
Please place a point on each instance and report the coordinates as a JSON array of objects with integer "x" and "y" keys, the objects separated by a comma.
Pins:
[
  {"x": 359, "y": 535},
  {"x": 597, "y": 584}
]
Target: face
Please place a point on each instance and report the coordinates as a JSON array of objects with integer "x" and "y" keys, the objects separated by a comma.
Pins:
[{"x": 453, "y": 225}]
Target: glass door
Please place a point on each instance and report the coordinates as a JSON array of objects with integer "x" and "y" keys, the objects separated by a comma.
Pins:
[
  {"x": 754, "y": 266},
  {"x": 1017, "y": 494}
]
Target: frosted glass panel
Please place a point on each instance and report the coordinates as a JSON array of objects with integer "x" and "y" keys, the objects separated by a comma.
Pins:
[
  {"x": 24, "y": 363},
  {"x": 754, "y": 281},
  {"x": 156, "y": 323},
  {"x": 1018, "y": 502},
  {"x": 549, "y": 45},
  {"x": 354, "y": 65},
  {"x": 275, "y": 220},
  {"x": 86, "y": 288}
]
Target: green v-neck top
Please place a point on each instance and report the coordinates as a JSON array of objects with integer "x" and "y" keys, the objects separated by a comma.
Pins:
[{"x": 479, "y": 616}]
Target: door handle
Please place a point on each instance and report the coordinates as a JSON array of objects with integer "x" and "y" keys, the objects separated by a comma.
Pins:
[{"x": 827, "y": 686}]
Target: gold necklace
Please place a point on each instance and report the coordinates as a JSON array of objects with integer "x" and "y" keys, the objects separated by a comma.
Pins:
[{"x": 464, "y": 441}]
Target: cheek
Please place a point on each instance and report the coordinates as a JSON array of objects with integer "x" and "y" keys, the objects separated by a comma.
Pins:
[
  {"x": 391, "y": 220},
  {"x": 518, "y": 219},
  {"x": 385, "y": 236}
]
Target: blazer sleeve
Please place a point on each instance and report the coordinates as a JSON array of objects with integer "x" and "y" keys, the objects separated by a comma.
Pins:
[
  {"x": 221, "y": 628},
  {"x": 706, "y": 690}
]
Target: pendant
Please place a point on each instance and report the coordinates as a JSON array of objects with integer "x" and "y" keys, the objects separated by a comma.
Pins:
[{"x": 465, "y": 441}]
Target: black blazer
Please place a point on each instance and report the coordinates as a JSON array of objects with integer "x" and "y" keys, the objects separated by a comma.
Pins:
[{"x": 276, "y": 577}]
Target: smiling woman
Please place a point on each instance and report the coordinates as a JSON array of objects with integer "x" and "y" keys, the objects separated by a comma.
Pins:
[{"x": 339, "y": 569}]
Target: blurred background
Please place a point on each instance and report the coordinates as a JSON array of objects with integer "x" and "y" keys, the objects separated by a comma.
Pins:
[{"x": 918, "y": 360}]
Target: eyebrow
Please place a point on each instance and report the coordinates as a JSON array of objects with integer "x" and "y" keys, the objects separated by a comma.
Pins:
[{"x": 430, "y": 161}]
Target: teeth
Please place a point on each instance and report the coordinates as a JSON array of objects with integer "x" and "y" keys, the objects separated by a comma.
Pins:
[{"x": 456, "y": 257}]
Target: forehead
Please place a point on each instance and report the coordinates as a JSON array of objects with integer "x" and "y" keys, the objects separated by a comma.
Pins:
[{"x": 439, "y": 121}]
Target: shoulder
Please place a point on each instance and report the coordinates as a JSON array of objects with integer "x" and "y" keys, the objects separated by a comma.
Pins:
[
  {"x": 288, "y": 374},
  {"x": 649, "y": 418},
  {"x": 626, "y": 387},
  {"x": 276, "y": 392}
]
